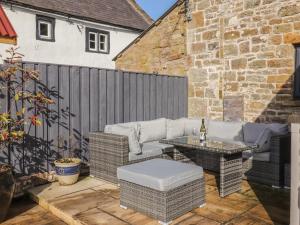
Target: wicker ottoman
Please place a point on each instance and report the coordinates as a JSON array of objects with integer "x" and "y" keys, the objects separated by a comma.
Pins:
[{"x": 162, "y": 189}]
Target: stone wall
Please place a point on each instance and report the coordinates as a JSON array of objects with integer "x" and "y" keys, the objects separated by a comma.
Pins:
[
  {"x": 163, "y": 48},
  {"x": 243, "y": 48},
  {"x": 240, "y": 48}
]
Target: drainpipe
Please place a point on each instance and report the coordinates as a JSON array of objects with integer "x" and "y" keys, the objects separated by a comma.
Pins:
[
  {"x": 295, "y": 175},
  {"x": 188, "y": 11}
]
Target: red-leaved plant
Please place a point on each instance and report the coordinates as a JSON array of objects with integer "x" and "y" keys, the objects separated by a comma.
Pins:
[{"x": 22, "y": 107}]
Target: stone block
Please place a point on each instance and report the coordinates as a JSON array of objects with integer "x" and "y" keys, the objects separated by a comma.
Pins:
[
  {"x": 277, "y": 63},
  {"x": 285, "y": 51},
  {"x": 297, "y": 25},
  {"x": 289, "y": 10},
  {"x": 197, "y": 107},
  {"x": 208, "y": 35},
  {"x": 197, "y": 20},
  {"x": 275, "y": 21},
  {"x": 231, "y": 35},
  {"x": 257, "y": 64},
  {"x": 265, "y": 29},
  {"x": 244, "y": 47},
  {"x": 280, "y": 78},
  {"x": 249, "y": 32},
  {"x": 291, "y": 38},
  {"x": 282, "y": 28},
  {"x": 251, "y": 3},
  {"x": 237, "y": 64},
  {"x": 232, "y": 87},
  {"x": 198, "y": 48},
  {"x": 256, "y": 105},
  {"x": 275, "y": 39},
  {"x": 230, "y": 50}
]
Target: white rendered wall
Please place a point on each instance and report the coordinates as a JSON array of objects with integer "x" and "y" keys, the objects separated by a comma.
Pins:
[{"x": 69, "y": 46}]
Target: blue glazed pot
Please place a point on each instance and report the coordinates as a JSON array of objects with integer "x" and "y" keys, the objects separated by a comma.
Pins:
[{"x": 67, "y": 173}]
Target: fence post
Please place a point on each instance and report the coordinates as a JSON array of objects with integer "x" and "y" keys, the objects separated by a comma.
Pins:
[
  {"x": 119, "y": 101},
  {"x": 295, "y": 175}
]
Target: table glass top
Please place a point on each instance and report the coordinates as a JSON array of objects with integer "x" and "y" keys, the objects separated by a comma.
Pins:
[{"x": 212, "y": 145}]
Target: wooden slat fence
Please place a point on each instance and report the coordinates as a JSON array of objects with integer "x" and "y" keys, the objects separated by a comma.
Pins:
[{"x": 88, "y": 99}]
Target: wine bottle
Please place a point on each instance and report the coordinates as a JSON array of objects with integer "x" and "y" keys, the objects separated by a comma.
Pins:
[{"x": 203, "y": 132}]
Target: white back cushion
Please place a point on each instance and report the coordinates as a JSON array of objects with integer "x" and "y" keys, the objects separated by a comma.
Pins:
[
  {"x": 153, "y": 130},
  {"x": 175, "y": 128},
  {"x": 191, "y": 125},
  {"x": 130, "y": 132},
  {"x": 226, "y": 130}
]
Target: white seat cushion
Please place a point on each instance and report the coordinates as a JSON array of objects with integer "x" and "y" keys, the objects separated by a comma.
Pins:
[
  {"x": 175, "y": 128},
  {"x": 262, "y": 156},
  {"x": 160, "y": 174},
  {"x": 153, "y": 130},
  {"x": 130, "y": 132},
  {"x": 148, "y": 150}
]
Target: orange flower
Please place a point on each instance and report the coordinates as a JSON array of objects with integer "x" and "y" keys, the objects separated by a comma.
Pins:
[
  {"x": 36, "y": 121},
  {"x": 4, "y": 136}
]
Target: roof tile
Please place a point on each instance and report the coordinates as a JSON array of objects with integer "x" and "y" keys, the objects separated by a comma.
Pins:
[{"x": 115, "y": 12}]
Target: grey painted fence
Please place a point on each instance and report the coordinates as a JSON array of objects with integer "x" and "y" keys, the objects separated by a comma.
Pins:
[{"x": 90, "y": 98}]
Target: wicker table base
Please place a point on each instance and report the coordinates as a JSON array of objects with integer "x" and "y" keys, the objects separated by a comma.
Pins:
[
  {"x": 163, "y": 206},
  {"x": 228, "y": 166},
  {"x": 230, "y": 173}
]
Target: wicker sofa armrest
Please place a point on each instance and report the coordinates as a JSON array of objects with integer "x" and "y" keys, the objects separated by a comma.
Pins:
[
  {"x": 111, "y": 148},
  {"x": 280, "y": 148}
]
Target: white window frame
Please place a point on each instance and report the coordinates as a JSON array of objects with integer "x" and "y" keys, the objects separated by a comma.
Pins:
[
  {"x": 98, "y": 34},
  {"x": 50, "y": 23},
  {"x": 105, "y": 42},
  {"x": 49, "y": 26},
  {"x": 96, "y": 42}
]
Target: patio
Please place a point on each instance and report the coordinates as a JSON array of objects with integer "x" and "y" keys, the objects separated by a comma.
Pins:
[{"x": 94, "y": 201}]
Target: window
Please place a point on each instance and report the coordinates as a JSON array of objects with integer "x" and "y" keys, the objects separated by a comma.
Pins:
[
  {"x": 297, "y": 73},
  {"x": 97, "y": 41},
  {"x": 45, "y": 28}
]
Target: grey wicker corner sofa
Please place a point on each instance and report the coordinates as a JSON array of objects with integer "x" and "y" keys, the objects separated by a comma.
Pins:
[{"x": 128, "y": 143}]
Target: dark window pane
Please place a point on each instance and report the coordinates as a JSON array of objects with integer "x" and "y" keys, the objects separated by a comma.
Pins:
[
  {"x": 44, "y": 29},
  {"x": 92, "y": 45},
  {"x": 102, "y": 46},
  {"x": 102, "y": 38},
  {"x": 92, "y": 37}
]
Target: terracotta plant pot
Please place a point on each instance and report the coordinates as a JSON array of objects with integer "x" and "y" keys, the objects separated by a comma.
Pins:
[
  {"x": 67, "y": 170},
  {"x": 7, "y": 187}
]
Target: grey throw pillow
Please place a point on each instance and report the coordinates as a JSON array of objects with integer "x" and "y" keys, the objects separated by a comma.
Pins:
[
  {"x": 264, "y": 140},
  {"x": 130, "y": 132}
]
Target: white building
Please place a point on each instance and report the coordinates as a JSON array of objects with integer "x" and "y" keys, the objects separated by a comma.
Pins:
[{"x": 84, "y": 33}]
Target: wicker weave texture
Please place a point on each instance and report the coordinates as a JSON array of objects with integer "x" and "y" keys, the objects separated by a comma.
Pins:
[
  {"x": 272, "y": 172},
  {"x": 107, "y": 153},
  {"x": 230, "y": 174},
  {"x": 163, "y": 206}
]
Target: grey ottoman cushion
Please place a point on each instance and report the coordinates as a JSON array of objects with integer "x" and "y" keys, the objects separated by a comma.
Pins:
[{"x": 160, "y": 174}]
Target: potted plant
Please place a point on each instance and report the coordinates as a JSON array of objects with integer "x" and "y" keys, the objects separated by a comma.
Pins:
[
  {"x": 23, "y": 111},
  {"x": 67, "y": 170}
]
